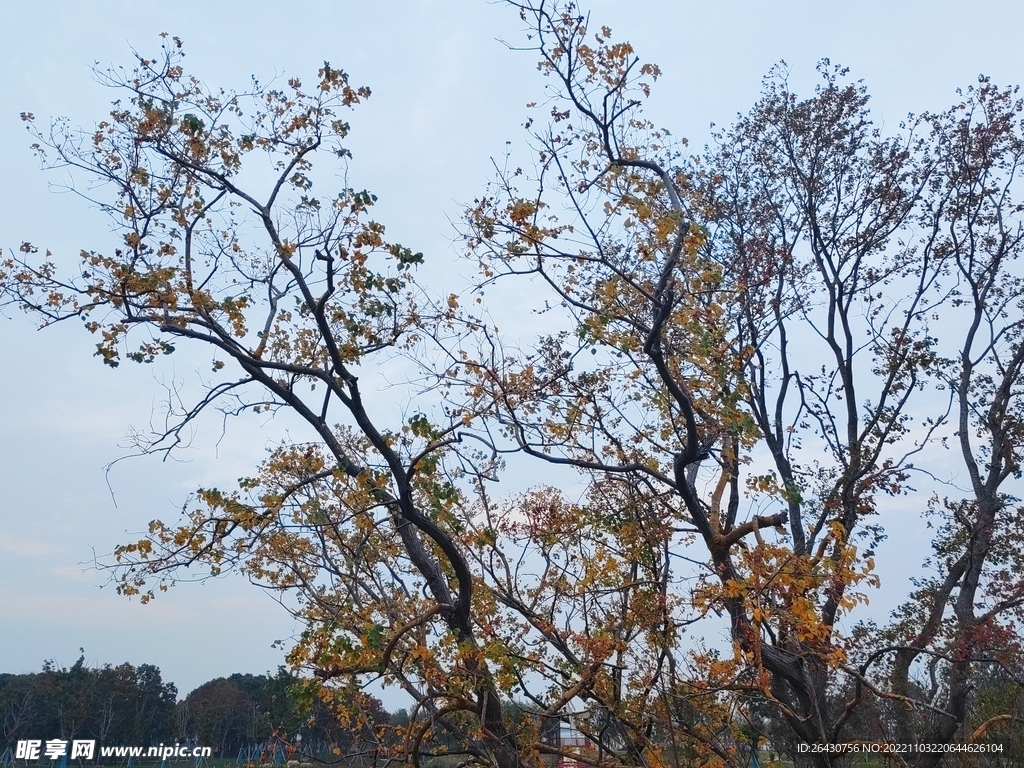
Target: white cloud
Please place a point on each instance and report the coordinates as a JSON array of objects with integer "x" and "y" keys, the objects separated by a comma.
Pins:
[
  {"x": 12, "y": 545},
  {"x": 73, "y": 609},
  {"x": 75, "y": 573}
]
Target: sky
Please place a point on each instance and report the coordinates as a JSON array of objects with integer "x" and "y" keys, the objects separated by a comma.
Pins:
[{"x": 448, "y": 94}]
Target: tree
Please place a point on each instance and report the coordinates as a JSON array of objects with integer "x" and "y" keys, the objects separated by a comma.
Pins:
[
  {"x": 335, "y": 297},
  {"x": 113, "y": 705},
  {"x": 19, "y": 707},
  {"x": 222, "y": 715},
  {"x": 802, "y": 298},
  {"x": 753, "y": 348}
]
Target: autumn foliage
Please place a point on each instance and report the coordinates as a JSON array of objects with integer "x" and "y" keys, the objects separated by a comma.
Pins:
[{"x": 763, "y": 359}]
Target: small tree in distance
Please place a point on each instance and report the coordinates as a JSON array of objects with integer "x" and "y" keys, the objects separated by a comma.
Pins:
[{"x": 754, "y": 351}]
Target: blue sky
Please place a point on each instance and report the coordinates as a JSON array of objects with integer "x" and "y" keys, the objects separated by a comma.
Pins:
[{"x": 447, "y": 96}]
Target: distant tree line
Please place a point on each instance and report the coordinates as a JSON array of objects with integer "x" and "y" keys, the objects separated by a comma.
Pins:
[
  {"x": 129, "y": 705},
  {"x": 113, "y": 705},
  {"x": 126, "y": 705}
]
